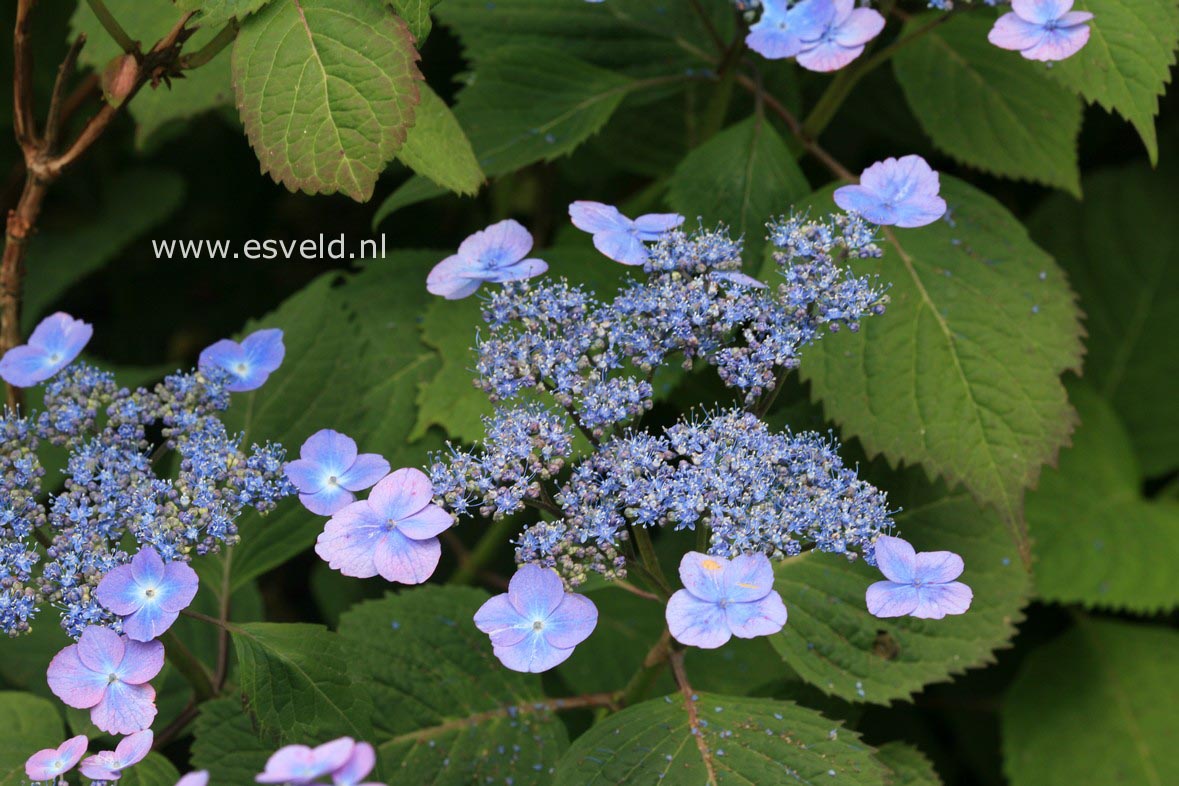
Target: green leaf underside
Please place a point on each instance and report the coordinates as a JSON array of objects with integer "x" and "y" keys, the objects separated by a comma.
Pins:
[
  {"x": 832, "y": 641},
  {"x": 908, "y": 765},
  {"x": 437, "y": 148},
  {"x": 1097, "y": 705},
  {"x": 1126, "y": 65},
  {"x": 526, "y": 104},
  {"x": 1119, "y": 248},
  {"x": 962, "y": 372},
  {"x": 298, "y": 681},
  {"x": 156, "y": 110},
  {"x": 742, "y": 177},
  {"x": 1097, "y": 541},
  {"x": 343, "y": 334},
  {"x": 30, "y": 723},
  {"x": 326, "y": 90},
  {"x": 737, "y": 740},
  {"x": 452, "y": 714},
  {"x": 990, "y": 108},
  {"x": 134, "y": 202}
]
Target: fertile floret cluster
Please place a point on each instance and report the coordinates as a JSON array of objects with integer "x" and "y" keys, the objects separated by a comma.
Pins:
[{"x": 115, "y": 491}]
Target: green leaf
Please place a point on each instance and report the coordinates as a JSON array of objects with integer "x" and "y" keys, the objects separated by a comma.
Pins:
[
  {"x": 438, "y": 149},
  {"x": 717, "y": 739},
  {"x": 989, "y": 108},
  {"x": 132, "y": 203},
  {"x": 154, "y": 770},
  {"x": 1097, "y": 705},
  {"x": 30, "y": 724},
  {"x": 453, "y": 714},
  {"x": 450, "y": 399},
  {"x": 832, "y": 641},
  {"x": 1126, "y": 65},
  {"x": 962, "y": 372},
  {"x": 416, "y": 14},
  {"x": 526, "y": 104},
  {"x": 359, "y": 334},
  {"x": 1118, "y": 248},
  {"x": 160, "y": 110},
  {"x": 226, "y": 744},
  {"x": 298, "y": 681},
  {"x": 326, "y": 90},
  {"x": 218, "y": 12},
  {"x": 908, "y": 765},
  {"x": 742, "y": 176},
  {"x": 1097, "y": 541}
]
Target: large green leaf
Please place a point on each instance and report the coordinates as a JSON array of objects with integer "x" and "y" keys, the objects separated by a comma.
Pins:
[
  {"x": 712, "y": 739},
  {"x": 449, "y": 712},
  {"x": 156, "y": 110},
  {"x": 416, "y": 14},
  {"x": 526, "y": 104},
  {"x": 226, "y": 744},
  {"x": 908, "y": 765},
  {"x": 1119, "y": 249},
  {"x": 1126, "y": 65},
  {"x": 438, "y": 149},
  {"x": 1097, "y": 541},
  {"x": 354, "y": 361},
  {"x": 218, "y": 12},
  {"x": 989, "y": 108},
  {"x": 832, "y": 641},
  {"x": 962, "y": 372},
  {"x": 299, "y": 682},
  {"x": 132, "y": 203},
  {"x": 1095, "y": 706},
  {"x": 743, "y": 176},
  {"x": 30, "y": 724},
  {"x": 326, "y": 90}
]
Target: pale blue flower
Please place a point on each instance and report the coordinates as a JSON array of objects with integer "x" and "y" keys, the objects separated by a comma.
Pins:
[
  {"x": 47, "y": 764},
  {"x": 148, "y": 594},
  {"x": 843, "y": 37},
  {"x": 494, "y": 255},
  {"x": 249, "y": 363},
  {"x": 329, "y": 470},
  {"x": 618, "y": 237},
  {"x": 1042, "y": 29},
  {"x": 54, "y": 344},
  {"x": 919, "y": 584},
  {"x": 724, "y": 598},
  {"x": 108, "y": 674},
  {"x": 899, "y": 192},
  {"x": 784, "y": 29},
  {"x": 109, "y": 765},
  {"x": 298, "y": 764}
]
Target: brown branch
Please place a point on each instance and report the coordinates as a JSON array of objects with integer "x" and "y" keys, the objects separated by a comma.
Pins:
[
  {"x": 695, "y": 729},
  {"x": 56, "y": 113}
]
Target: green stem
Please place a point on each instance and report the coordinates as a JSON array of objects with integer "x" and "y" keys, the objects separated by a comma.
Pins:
[
  {"x": 210, "y": 50},
  {"x": 190, "y": 668},
  {"x": 112, "y": 26},
  {"x": 492, "y": 539},
  {"x": 649, "y": 559}
]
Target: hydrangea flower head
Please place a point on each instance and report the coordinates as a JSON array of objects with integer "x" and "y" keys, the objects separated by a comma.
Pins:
[
  {"x": 148, "y": 593},
  {"x": 195, "y": 778},
  {"x": 723, "y": 598},
  {"x": 920, "y": 585},
  {"x": 356, "y": 767},
  {"x": 109, "y": 765},
  {"x": 300, "y": 764},
  {"x": 54, "y": 344},
  {"x": 1042, "y": 29},
  {"x": 899, "y": 192},
  {"x": 392, "y": 533},
  {"x": 494, "y": 255},
  {"x": 842, "y": 39},
  {"x": 618, "y": 237},
  {"x": 46, "y": 765},
  {"x": 249, "y": 363},
  {"x": 329, "y": 471},
  {"x": 108, "y": 674},
  {"x": 784, "y": 29},
  {"x": 536, "y": 624}
]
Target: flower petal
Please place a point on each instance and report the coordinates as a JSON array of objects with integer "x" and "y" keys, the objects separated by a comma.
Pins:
[
  {"x": 532, "y": 655},
  {"x": 919, "y": 211},
  {"x": 428, "y": 522},
  {"x": 359, "y": 764},
  {"x": 195, "y": 778},
  {"x": 349, "y": 540},
  {"x": 889, "y": 599},
  {"x": 1011, "y": 31},
  {"x": 125, "y": 708},
  {"x": 860, "y": 27},
  {"x": 397, "y": 558},
  {"x": 896, "y": 559},
  {"x": 536, "y": 592},
  {"x": 571, "y": 622},
  {"x": 179, "y": 587},
  {"x": 147, "y": 567},
  {"x": 500, "y": 620},
  {"x": 828, "y": 56},
  {"x": 696, "y": 622},
  {"x": 264, "y": 350},
  {"x": 623, "y": 247},
  {"x": 455, "y": 278},
  {"x": 652, "y": 225},
  {"x": 518, "y": 271},
  {"x": 595, "y": 217},
  {"x": 1041, "y": 11},
  {"x": 119, "y": 592},
  {"x": 133, "y": 748},
  {"x": 26, "y": 366},
  {"x": 937, "y": 600},
  {"x": 859, "y": 199},
  {"x": 62, "y": 335},
  {"x": 1059, "y": 44},
  {"x": 366, "y": 470},
  {"x": 937, "y": 567},
  {"x": 748, "y": 577},
  {"x": 101, "y": 649},
  {"x": 149, "y": 622},
  {"x": 72, "y": 682},
  {"x": 328, "y": 502},
  {"x": 401, "y": 494},
  {"x": 507, "y": 240},
  {"x": 142, "y": 661},
  {"x": 760, "y": 618},
  {"x": 703, "y": 575},
  {"x": 330, "y": 449}
]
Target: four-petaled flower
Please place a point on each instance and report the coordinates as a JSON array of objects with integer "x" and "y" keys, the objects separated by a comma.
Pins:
[
  {"x": 784, "y": 29},
  {"x": 618, "y": 237},
  {"x": 299, "y": 764},
  {"x": 724, "y": 598},
  {"x": 896, "y": 191},
  {"x": 919, "y": 584},
  {"x": 536, "y": 624},
  {"x": 108, "y": 674},
  {"x": 1042, "y": 29},
  {"x": 356, "y": 767},
  {"x": 46, "y": 765},
  {"x": 329, "y": 470},
  {"x": 248, "y": 363},
  {"x": 392, "y": 533},
  {"x": 54, "y": 344},
  {"x": 843, "y": 37},
  {"x": 148, "y": 593},
  {"x": 195, "y": 778},
  {"x": 494, "y": 255},
  {"x": 109, "y": 765}
]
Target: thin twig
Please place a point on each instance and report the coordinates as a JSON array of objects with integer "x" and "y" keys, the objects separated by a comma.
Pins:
[
  {"x": 65, "y": 73},
  {"x": 676, "y": 658},
  {"x": 173, "y": 729},
  {"x": 112, "y": 26}
]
